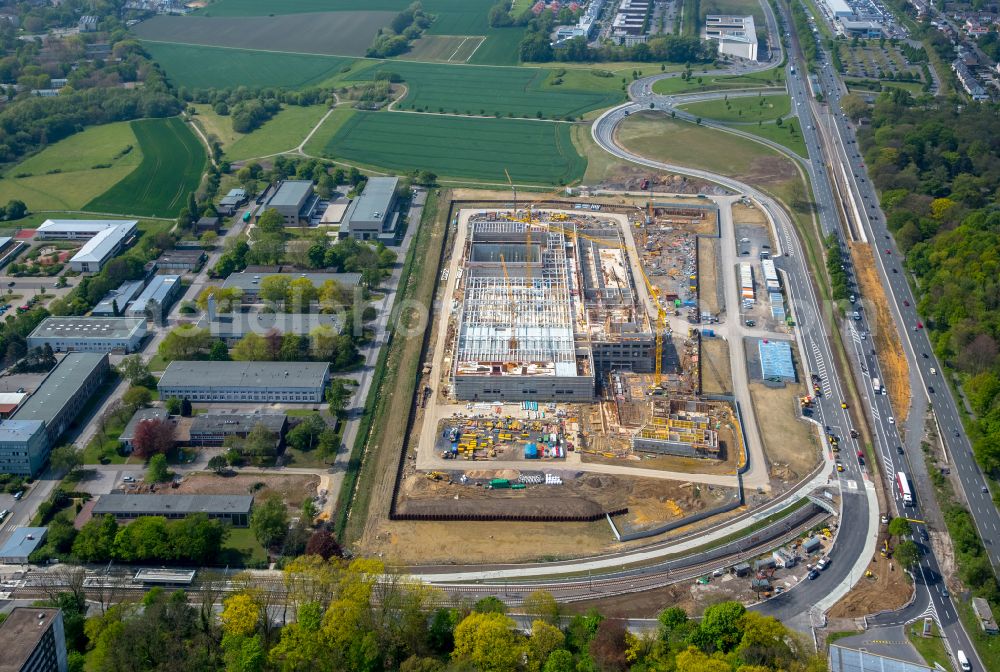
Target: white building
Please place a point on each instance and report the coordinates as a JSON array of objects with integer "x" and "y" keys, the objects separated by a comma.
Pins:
[
  {"x": 839, "y": 9},
  {"x": 105, "y": 239},
  {"x": 248, "y": 382},
  {"x": 72, "y": 229},
  {"x": 736, "y": 35},
  {"x": 89, "y": 334}
]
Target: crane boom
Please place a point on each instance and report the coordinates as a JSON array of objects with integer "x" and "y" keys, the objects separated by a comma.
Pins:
[{"x": 510, "y": 300}]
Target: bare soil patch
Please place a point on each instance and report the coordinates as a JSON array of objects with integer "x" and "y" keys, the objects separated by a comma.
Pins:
[
  {"x": 293, "y": 489},
  {"x": 708, "y": 274},
  {"x": 716, "y": 376},
  {"x": 895, "y": 369},
  {"x": 889, "y": 589},
  {"x": 790, "y": 443},
  {"x": 744, "y": 214}
]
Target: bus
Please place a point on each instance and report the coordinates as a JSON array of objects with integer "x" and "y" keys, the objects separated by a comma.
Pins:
[{"x": 904, "y": 488}]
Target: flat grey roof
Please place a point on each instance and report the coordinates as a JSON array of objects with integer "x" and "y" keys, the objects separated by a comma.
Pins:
[
  {"x": 123, "y": 294},
  {"x": 18, "y": 431},
  {"x": 232, "y": 325},
  {"x": 246, "y": 375},
  {"x": 139, "y": 416},
  {"x": 20, "y": 634},
  {"x": 152, "y": 505},
  {"x": 246, "y": 281},
  {"x": 291, "y": 193},
  {"x": 376, "y": 198},
  {"x": 183, "y": 255},
  {"x": 60, "y": 386},
  {"x": 103, "y": 242},
  {"x": 19, "y": 545},
  {"x": 87, "y": 327},
  {"x": 233, "y": 423},
  {"x": 233, "y": 197},
  {"x": 157, "y": 290},
  {"x": 80, "y": 225}
]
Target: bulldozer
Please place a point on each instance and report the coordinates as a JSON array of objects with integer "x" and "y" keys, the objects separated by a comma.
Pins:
[{"x": 438, "y": 476}]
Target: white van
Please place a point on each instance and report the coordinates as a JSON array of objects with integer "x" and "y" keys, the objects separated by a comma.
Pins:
[{"x": 963, "y": 661}]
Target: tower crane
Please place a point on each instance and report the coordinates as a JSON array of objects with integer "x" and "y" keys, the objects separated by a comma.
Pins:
[{"x": 512, "y": 344}]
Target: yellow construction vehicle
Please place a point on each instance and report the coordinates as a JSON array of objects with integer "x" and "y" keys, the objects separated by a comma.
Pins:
[{"x": 438, "y": 476}]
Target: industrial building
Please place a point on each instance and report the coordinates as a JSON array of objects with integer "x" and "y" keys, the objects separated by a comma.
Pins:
[
  {"x": 839, "y": 9},
  {"x": 34, "y": 640},
  {"x": 64, "y": 393},
  {"x": 294, "y": 200},
  {"x": 211, "y": 429},
  {"x": 285, "y": 382},
  {"x": 679, "y": 427},
  {"x": 89, "y": 334},
  {"x": 21, "y": 544},
  {"x": 249, "y": 283},
  {"x": 235, "y": 199},
  {"x": 156, "y": 298},
  {"x": 24, "y": 447},
  {"x": 181, "y": 260},
  {"x": 776, "y": 362},
  {"x": 373, "y": 215},
  {"x": 102, "y": 246},
  {"x": 231, "y": 327},
  {"x": 117, "y": 300},
  {"x": 546, "y": 312},
  {"x": 736, "y": 35},
  {"x": 232, "y": 509}
]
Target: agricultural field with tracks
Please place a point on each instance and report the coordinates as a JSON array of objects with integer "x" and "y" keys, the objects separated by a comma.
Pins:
[
  {"x": 173, "y": 160},
  {"x": 299, "y": 33},
  {"x": 519, "y": 92},
  {"x": 65, "y": 175},
  {"x": 475, "y": 149},
  {"x": 198, "y": 67}
]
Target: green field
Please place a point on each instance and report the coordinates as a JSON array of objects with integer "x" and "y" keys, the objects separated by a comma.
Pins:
[
  {"x": 743, "y": 109},
  {"x": 222, "y": 67},
  {"x": 733, "y": 8},
  {"x": 754, "y": 80},
  {"x": 321, "y": 138},
  {"x": 282, "y": 133},
  {"x": 476, "y": 149},
  {"x": 76, "y": 181},
  {"x": 173, "y": 160},
  {"x": 781, "y": 134},
  {"x": 520, "y": 92}
]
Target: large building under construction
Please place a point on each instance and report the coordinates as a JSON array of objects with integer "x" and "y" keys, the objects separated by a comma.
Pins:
[{"x": 547, "y": 309}]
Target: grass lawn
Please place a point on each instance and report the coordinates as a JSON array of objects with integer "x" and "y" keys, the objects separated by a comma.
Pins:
[
  {"x": 519, "y": 92},
  {"x": 987, "y": 646},
  {"x": 171, "y": 168},
  {"x": 63, "y": 176},
  {"x": 242, "y": 549},
  {"x": 780, "y": 134},
  {"x": 743, "y": 109},
  {"x": 931, "y": 648},
  {"x": 105, "y": 451},
  {"x": 282, "y": 133},
  {"x": 500, "y": 48},
  {"x": 535, "y": 152},
  {"x": 753, "y": 80},
  {"x": 322, "y": 137},
  {"x": 733, "y": 8},
  {"x": 223, "y": 67}
]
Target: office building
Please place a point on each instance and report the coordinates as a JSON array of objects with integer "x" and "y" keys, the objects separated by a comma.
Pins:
[
  {"x": 211, "y": 429},
  {"x": 101, "y": 247},
  {"x": 231, "y": 327},
  {"x": 249, "y": 283},
  {"x": 117, "y": 301},
  {"x": 139, "y": 417},
  {"x": 34, "y": 640},
  {"x": 232, "y": 509},
  {"x": 372, "y": 215},
  {"x": 287, "y": 382},
  {"x": 181, "y": 260},
  {"x": 89, "y": 334},
  {"x": 24, "y": 447},
  {"x": 64, "y": 393},
  {"x": 156, "y": 299},
  {"x": 736, "y": 35},
  {"x": 294, "y": 200}
]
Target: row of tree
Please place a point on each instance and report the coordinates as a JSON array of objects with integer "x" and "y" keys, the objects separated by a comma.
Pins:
[
  {"x": 195, "y": 539},
  {"x": 395, "y": 38}
]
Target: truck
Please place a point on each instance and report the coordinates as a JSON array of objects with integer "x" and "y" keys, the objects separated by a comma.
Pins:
[
  {"x": 877, "y": 385},
  {"x": 903, "y": 484}
]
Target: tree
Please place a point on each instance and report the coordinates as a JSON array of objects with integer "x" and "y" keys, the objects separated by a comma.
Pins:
[
  {"x": 218, "y": 352},
  {"x": 137, "y": 397},
  {"x": 899, "y": 527},
  {"x": 153, "y": 437},
  {"x": 305, "y": 435},
  {"x": 185, "y": 408},
  {"x": 271, "y": 222},
  {"x": 560, "y": 660},
  {"x": 488, "y": 642},
  {"x": 490, "y": 605},
  {"x": 274, "y": 288},
  {"x": 241, "y": 614},
  {"x": 545, "y": 638},
  {"x": 719, "y": 626},
  {"x": 135, "y": 371},
  {"x": 218, "y": 463},
  {"x": 323, "y": 544},
  {"x": 260, "y": 442},
  {"x": 185, "y": 342},
  {"x": 608, "y": 646},
  {"x": 269, "y": 522},
  {"x": 65, "y": 458},
  {"x": 209, "y": 240},
  {"x": 95, "y": 540},
  {"x": 540, "y": 603},
  {"x": 157, "y": 471},
  {"x": 907, "y": 553},
  {"x": 338, "y": 395},
  {"x": 15, "y": 209},
  {"x": 250, "y": 348},
  {"x": 301, "y": 293}
]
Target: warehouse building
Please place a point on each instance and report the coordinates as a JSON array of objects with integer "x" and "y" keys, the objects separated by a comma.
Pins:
[
  {"x": 373, "y": 215},
  {"x": 232, "y": 509},
  {"x": 231, "y": 327},
  {"x": 181, "y": 260},
  {"x": 24, "y": 447},
  {"x": 294, "y": 200},
  {"x": 736, "y": 35},
  {"x": 211, "y": 429},
  {"x": 156, "y": 299},
  {"x": 117, "y": 300},
  {"x": 102, "y": 246},
  {"x": 64, "y": 392},
  {"x": 22, "y": 543},
  {"x": 249, "y": 283},
  {"x": 231, "y": 202},
  {"x": 248, "y": 382},
  {"x": 89, "y": 334},
  {"x": 839, "y": 9}
]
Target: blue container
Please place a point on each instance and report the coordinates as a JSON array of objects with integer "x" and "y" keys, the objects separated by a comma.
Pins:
[{"x": 531, "y": 451}]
